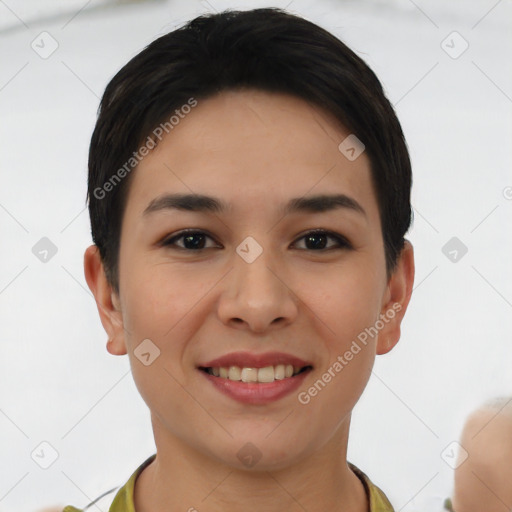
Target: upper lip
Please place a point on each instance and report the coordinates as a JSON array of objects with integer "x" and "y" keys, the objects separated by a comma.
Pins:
[{"x": 250, "y": 360}]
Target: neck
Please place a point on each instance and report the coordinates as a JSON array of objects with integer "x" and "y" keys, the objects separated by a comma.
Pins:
[{"x": 182, "y": 478}]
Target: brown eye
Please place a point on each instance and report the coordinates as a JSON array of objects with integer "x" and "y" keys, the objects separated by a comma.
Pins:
[
  {"x": 317, "y": 240},
  {"x": 192, "y": 240}
]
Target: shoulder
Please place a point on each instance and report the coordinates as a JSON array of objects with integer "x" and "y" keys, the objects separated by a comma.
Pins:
[
  {"x": 101, "y": 503},
  {"x": 378, "y": 501},
  {"x": 118, "y": 499}
]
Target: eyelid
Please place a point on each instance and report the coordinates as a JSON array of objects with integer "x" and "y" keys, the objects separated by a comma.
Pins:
[
  {"x": 342, "y": 241},
  {"x": 166, "y": 241}
]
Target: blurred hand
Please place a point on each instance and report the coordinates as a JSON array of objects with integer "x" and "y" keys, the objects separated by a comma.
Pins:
[{"x": 482, "y": 482}]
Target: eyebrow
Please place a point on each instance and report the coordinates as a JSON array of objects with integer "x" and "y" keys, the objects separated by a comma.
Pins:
[{"x": 208, "y": 204}]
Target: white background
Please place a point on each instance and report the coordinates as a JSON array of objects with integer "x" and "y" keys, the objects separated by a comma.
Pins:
[{"x": 57, "y": 381}]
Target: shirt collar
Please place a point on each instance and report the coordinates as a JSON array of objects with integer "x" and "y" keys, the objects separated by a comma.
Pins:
[{"x": 123, "y": 502}]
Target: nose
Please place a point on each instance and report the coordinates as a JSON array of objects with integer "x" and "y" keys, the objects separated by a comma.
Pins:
[{"x": 256, "y": 296}]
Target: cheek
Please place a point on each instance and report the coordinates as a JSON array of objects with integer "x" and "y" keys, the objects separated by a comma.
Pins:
[
  {"x": 155, "y": 308},
  {"x": 350, "y": 355},
  {"x": 346, "y": 301},
  {"x": 345, "y": 306},
  {"x": 157, "y": 297}
]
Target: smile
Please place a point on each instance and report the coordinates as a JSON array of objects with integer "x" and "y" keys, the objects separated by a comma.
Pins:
[
  {"x": 255, "y": 378},
  {"x": 262, "y": 375}
]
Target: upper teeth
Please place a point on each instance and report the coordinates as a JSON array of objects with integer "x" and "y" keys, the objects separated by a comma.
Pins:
[{"x": 267, "y": 374}]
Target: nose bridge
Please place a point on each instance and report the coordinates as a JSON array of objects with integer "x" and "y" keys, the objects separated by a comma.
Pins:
[
  {"x": 255, "y": 269},
  {"x": 256, "y": 293}
]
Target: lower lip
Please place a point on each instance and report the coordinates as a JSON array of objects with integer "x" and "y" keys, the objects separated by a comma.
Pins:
[{"x": 257, "y": 393}]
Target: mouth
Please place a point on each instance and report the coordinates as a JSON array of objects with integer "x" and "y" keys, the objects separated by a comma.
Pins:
[
  {"x": 256, "y": 378},
  {"x": 266, "y": 374}
]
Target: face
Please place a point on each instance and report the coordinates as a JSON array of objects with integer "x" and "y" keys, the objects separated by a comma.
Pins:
[{"x": 280, "y": 286}]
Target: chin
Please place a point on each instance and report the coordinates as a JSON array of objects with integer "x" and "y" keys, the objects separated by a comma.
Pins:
[{"x": 259, "y": 453}]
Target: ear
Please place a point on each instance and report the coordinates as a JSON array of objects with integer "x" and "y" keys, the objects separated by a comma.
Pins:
[
  {"x": 106, "y": 299},
  {"x": 396, "y": 299}
]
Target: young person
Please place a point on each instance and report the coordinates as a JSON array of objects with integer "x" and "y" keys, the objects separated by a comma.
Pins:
[{"x": 249, "y": 193}]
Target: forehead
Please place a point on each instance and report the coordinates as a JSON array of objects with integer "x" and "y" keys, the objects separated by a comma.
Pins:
[{"x": 253, "y": 149}]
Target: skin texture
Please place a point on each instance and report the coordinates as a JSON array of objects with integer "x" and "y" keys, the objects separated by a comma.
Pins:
[
  {"x": 482, "y": 481},
  {"x": 254, "y": 150}
]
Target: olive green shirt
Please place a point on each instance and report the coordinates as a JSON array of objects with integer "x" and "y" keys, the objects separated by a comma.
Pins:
[{"x": 123, "y": 500}]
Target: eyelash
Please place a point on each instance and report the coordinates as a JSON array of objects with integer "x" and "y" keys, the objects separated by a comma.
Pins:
[{"x": 342, "y": 242}]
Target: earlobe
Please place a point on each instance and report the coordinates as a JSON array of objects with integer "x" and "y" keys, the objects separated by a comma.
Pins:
[
  {"x": 384, "y": 345},
  {"x": 399, "y": 291},
  {"x": 110, "y": 313},
  {"x": 116, "y": 349}
]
